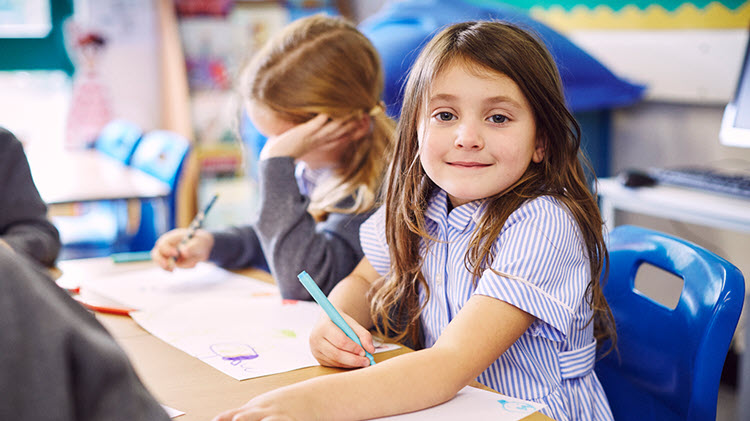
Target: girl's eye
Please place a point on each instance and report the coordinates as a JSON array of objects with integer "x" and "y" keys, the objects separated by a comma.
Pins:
[
  {"x": 444, "y": 116},
  {"x": 498, "y": 119}
]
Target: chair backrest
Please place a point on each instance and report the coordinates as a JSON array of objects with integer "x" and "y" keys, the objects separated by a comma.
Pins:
[
  {"x": 161, "y": 153},
  {"x": 668, "y": 362},
  {"x": 118, "y": 139}
]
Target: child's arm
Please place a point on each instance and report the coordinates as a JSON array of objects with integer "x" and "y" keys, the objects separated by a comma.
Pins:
[{"x": 480, "y": 333}]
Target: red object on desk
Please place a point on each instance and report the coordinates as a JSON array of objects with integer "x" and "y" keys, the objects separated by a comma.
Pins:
[{"x": 101, "y": 305}]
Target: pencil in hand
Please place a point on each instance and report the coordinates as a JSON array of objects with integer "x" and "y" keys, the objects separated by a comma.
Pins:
[{"x": 195, "y": 224}]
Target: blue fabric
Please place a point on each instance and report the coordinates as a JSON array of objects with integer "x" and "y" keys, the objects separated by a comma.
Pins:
[{"x": 401, "y": 28}]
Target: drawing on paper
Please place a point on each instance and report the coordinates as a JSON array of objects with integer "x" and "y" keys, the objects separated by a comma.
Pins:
[
  {"x": 234, "y": 352},
  {"x": 287, "y": 333},
  {"x": 516, "y": 406}
]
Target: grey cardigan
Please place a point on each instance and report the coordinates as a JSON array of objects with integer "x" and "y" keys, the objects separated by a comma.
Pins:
[{"x": 287, "y": 238}]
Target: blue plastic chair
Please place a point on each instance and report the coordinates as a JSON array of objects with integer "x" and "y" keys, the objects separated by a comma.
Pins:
[
  {"x": 97, "y": 226},
  {"x": 119, "y": 139},
  {"x": 668, "y": 362},
  {"x": 160, "y": 153}
]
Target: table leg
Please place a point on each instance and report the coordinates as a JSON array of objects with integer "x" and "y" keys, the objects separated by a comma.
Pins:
[
  {"x": 743, "y": 389},
  {"x": 608, "y": 213}
]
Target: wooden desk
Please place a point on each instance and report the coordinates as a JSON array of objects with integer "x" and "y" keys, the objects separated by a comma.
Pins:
[
  {"x": 183, "y": 382},
  {"x": 64, "y": 176}
]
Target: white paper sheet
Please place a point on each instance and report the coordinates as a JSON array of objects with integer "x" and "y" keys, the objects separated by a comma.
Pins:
[
  {"x": 243, "y": 337},
  {"x": 475, "y": 404},
  {"x": 154, "y": 288},
  {"x": 171, "y": 412},
  {"x": 236, "y": 324}
]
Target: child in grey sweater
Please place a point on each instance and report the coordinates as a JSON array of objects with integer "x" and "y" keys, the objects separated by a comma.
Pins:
[
  {"x": 24, "y": 227},
  {"x": 314, "y": 92},
  {"x": 58, "y": 363}
]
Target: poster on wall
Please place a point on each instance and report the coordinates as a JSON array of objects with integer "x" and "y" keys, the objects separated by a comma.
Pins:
[{"x": 636, "y": 14}]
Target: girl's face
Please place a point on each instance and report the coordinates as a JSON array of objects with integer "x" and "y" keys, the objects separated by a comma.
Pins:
[{"x": 476, "y": 133}]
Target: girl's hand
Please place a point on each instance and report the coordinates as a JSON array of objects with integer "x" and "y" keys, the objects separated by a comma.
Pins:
[
  {"x": 318, "y": 133},
  {"x": 331, "y": 347},
  {"x": 187, "y": 255},
  {"x": 283, "y": 404}
]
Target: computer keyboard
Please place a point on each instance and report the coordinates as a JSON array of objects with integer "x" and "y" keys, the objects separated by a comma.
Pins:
[{"x": 703, "y": 178}]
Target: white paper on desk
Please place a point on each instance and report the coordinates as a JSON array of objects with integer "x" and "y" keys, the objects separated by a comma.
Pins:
[
  {"x": 154, "y": 288},
  {"x": 478, "y": 404},
  {"x": 171, "y": 412},
  {"x": 243, "y": 337}
]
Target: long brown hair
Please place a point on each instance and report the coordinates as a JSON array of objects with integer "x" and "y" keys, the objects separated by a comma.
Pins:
[
  {"x": 516, "y": 53},
  {"x": 321, "y": 64}
]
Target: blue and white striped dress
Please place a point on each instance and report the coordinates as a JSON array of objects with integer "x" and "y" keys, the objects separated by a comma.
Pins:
[{"x": 547, "y": 270}]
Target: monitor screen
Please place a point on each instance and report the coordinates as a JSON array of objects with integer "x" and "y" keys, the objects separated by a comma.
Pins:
[{"x": 735, "y": 125}]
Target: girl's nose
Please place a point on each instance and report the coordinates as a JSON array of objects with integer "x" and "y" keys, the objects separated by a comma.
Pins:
[{"x": 468, "y": 136}]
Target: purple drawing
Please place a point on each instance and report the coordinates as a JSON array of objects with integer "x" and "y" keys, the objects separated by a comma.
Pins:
[{"x": 234, "y": 352}]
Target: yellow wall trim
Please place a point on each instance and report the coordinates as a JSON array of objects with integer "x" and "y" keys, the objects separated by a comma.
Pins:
[{"x": 714, "y": 16}]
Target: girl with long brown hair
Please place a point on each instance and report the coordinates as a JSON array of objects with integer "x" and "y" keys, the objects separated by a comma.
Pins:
[{"x": 486, "y": 255}]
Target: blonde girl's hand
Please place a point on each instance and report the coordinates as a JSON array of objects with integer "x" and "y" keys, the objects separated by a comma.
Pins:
[
  {"x": 318, "y": 133},
  {"x": 186, "y": 255},
  {"x": 331, "y": 347}
]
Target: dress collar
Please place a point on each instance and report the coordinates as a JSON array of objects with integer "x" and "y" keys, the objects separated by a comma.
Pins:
[{"x": 459, "y": 218}]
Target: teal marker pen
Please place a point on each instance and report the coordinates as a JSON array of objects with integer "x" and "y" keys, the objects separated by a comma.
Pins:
[
  {"x": 131, "y": 256},
  {"x": 322, "y": 300}
]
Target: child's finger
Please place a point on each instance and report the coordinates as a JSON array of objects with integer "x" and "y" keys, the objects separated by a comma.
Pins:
[
  {"x": 344, "y": 343},
  {"x": 161, "y": 254},
  {"x": 343, "y": 127},
  {"x": 332, "y": 347},
  {"x": 365, "y": 337},
  {"x": 326, "y": 133},
  {"x": 330, "y": 355},
  {"x": 159, "y": 258},
  {"x": 316, "y": 123},
  {"x": 343, "y": 134}
]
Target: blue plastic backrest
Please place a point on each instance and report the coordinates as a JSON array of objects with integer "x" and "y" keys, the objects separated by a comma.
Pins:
[
  {"x": 118, "y": 139},
  {"x": 401, "y": 28},
  {"x": 669, "y": 362},
  {"x": 161, "y": 154}
]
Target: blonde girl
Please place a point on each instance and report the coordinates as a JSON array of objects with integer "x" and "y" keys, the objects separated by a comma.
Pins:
[
  {"x": 486, "y": 256},
  {"x": 314, "y": 91}
]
